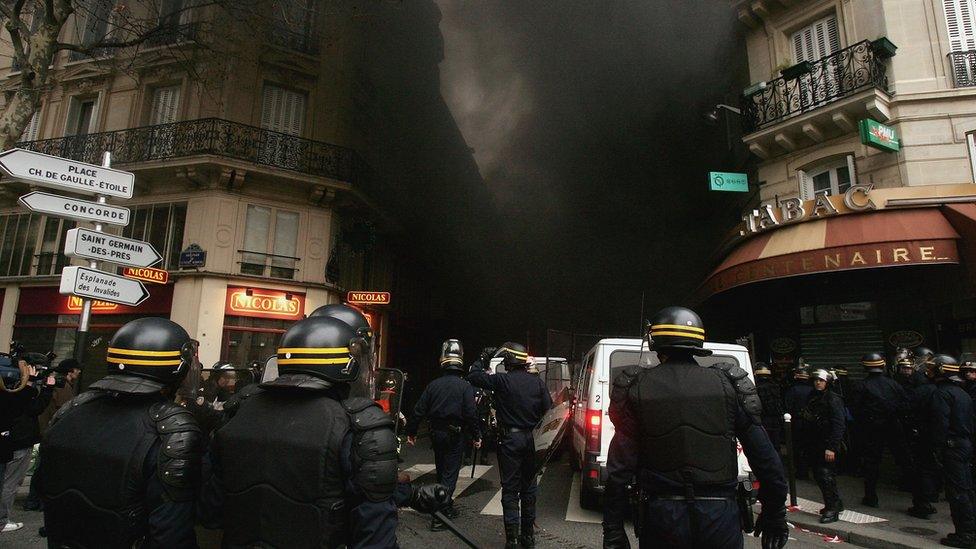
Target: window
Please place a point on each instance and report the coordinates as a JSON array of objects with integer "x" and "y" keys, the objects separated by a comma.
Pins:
[
  {"x": 283, "y": 110},
  {"x": 962, "y": 40},
  {"x": 30, "y": 132},
  {"x": 971, "y": 139},
  {"x": 50, "y": 256},
  {"x": 32, "y": 244},
  {"x": 817, "y": 40},
  {"x": 165, "y": 105},
  {"x": 96, "y": 14},
  {"x": 173, "y": 13},
  {"x": 834, "y": 178},
  {"x": 270, "y": 241},
  {"x": 81, "y": 112},
  {"x": 162, "y": 226},
  {"x": 293, "y": 26}
]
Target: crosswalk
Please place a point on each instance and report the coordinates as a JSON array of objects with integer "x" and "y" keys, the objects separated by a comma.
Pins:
[{"x": 853, "y": 517}]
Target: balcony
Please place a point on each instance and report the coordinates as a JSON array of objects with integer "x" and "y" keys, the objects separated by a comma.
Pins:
[
  {"x": 169, "y": 35},
  {"x": 963, "y": 68},
  {"x": 303, "y": 42},
  {"x": 268, "y": 265},
  {"x": 208, "y": 136},
  {"x": 817, "y": 100}
]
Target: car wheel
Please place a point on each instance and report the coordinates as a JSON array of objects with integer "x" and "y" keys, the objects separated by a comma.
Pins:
[{"x": 589, "y": 499}]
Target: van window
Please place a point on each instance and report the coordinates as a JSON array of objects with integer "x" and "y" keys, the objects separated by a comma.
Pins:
[
  {"x": 620, "y": 360},
  {"x": 587, "y": 375}
]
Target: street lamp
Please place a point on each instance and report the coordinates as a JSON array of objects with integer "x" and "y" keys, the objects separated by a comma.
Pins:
[{"x": 712, "y": 115}]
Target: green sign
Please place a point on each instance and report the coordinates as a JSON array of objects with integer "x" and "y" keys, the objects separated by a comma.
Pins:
[
  {"x": 734, "y": 182},
  {"x": 877, "y": 135}
]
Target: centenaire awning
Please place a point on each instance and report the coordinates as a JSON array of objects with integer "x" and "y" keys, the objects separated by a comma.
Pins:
[{"x": 885, "y": 238}]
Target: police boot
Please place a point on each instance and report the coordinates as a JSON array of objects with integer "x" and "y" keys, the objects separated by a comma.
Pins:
[
  {"x": 527, "y": 539},
  {"x": 437, "y": 525},
  {"x": 967, "y": 540},
  {"x": 921, "y": 511},
  {"x": 511, "y": 536}
]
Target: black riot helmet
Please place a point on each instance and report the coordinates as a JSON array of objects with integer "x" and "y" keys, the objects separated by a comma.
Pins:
[
  {"x": 677, "y": 328},
  {"x": 513, "y": 354},
  {"x": 873, "y": 362},
  {"x": 452, "y": 355},
  {"x": 762, "y": 370},
  {"x": 146, "y": 355},
  {"x": 348, "y": 314},
  {"x": 319, "y": 352},
  {"x": 946, "y": 365}
]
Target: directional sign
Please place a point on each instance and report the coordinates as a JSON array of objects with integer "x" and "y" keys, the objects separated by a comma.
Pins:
[
  {"x": 85, "y": 282},
  {"x": 72, "y": 208},
  {"x": 105, "y": 247},
  {"x": 147, "y": 274},
  {"x": 53, "y": 171}
]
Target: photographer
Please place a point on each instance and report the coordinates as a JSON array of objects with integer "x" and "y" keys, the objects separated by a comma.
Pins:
[{"x": 22, "y": 408}]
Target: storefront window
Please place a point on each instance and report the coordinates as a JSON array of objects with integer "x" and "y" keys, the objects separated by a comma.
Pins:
[
  {"x": 270, "y": 242},
  {"x": 161, "y": 225},
  {"x": 247, "y": 340}
]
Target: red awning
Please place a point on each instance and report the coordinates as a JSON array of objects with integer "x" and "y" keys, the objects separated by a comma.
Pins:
[{"x": 883, "y": 238}]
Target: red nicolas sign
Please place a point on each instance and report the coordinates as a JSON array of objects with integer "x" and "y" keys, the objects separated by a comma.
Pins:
[
  {"x": 368, "y": 298},
  {"x": 147, "y": 274},
  {"x": 75, "y": 304},
  {"x": 261, "y": 303}
]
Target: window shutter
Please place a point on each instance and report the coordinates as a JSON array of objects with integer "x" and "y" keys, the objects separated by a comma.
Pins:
[
  {"x": 283, "y": 110},
  {"x": 959, "y": 23},
  {"x": 817, "y": 40},
  {"x": 805, "y": 184},
  {"x": 852, "y": 169},
  {"x": 165, "y": 105},
  {"x": 30, "y": 132}
]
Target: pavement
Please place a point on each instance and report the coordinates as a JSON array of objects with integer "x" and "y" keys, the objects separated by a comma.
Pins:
[{"x": 562, "y": 523}]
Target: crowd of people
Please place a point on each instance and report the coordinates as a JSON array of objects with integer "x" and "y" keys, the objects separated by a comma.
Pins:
[{"x": 918, "y": 406}]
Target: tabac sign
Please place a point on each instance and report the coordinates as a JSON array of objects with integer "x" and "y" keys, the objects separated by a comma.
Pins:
[
  {"x": 794, "y": 210},
  {"x": 368, "y": 298},
  {"x": 262, "y": 303}
]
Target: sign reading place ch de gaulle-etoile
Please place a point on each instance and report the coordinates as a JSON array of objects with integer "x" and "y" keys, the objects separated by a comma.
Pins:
[{"x": 62, "y": 173}]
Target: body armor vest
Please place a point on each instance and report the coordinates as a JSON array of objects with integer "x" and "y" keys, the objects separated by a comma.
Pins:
[
  {"x": 282, "y": 475},
  {"x": 772, "y": 399},
  {"x": 96, "y": 500},
  {"x": 687, "y": 423}
]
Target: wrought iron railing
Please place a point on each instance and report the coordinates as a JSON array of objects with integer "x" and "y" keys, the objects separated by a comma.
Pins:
[
  {"x": 834, "y": 77},
  {"x": 213, "y": 136},
  {"x": 172, "y": 35},
  {"x": 301, "y": 41},
  {"x": 963, "y": 68}
]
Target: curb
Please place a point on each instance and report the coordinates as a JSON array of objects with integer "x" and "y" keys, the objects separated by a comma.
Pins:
[{"x": 858, "y": 534}]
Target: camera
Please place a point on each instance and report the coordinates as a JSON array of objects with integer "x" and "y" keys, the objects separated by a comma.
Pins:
[{"x": 10, "y": 372}]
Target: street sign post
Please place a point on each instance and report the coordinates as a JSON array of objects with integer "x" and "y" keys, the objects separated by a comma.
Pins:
[
  {"x": 61, "y": 173},
  {"x": 723, "y": 181},
  {"x": 93, "y": 284},
  {"x": 72, "y": 208},
  {"x": 127, "y": 252}
]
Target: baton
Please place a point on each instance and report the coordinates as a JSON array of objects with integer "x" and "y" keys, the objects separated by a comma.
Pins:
[
  {"x": 474, "y": 458},
  {"x": 791, "y": 465},
  {"x": 454, "y": 529}
]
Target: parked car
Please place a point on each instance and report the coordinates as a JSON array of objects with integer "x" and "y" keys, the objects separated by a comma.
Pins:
[{"x": 592, "y": 429}]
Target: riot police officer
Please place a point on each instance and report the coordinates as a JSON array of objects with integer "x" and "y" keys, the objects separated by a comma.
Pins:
[
  {"x": 923, "y": 361},
  {"x": 447, "y": 403},
  {"x": 771, "y": 395},
  {"x": 794, "y": 399},
  {"x": 968, "y": 371},
  {"x": 878, "y": 405},
  {"x": 824, "y": 425},
  {"x": 300, "y": 464},
  {"x": 925, "y": 488},
  {"x": 948, "y": 424},
  {"x": 127, "y": 418},
  {"x": 521, "y": 400},
  {"x": 904, "y": 373},
  {"x": 675, "y": 434}
]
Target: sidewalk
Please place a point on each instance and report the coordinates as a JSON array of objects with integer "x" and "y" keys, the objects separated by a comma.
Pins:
[{"x": 885, "y": 527}]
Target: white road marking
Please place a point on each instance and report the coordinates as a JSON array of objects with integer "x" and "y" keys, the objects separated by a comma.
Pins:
[
  {"x": 575, "y": 513},
  {"x": 419, "y": 470},
  {"x": 494, "y": 506},
  {"x": 853, "y": 517},
  {"x": 464, "y": 480}
]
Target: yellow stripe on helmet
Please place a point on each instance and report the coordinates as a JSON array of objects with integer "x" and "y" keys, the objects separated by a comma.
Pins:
[
  {"x": 874, "y": 363},
  {"x": 678, "y": 334},
  {"x": 135, "y": 362},
  {"x": 136, "y": 352},
  {"x": 313, "y": 350},
  {"x": 518, "y": 354},
  {"x": 312, "y": 361},
  {"x": 677, "y": 326},
  {"x": 452, "y": 359}
]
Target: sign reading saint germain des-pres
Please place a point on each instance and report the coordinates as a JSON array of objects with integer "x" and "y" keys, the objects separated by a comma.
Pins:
[
  {"x": 61, "y": 173},
  {"x": 262, "y": 303}
]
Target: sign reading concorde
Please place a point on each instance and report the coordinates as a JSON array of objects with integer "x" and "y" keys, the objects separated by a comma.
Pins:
[
  {"x": 105, "y": 247},
  {"x": 61, "y": 173},
  {"x": 72, "y": 208},
  {"x": 85, "y": 282}
]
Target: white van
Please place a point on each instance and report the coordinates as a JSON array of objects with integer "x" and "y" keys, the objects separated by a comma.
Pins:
[{"x": 592, "y": 428}]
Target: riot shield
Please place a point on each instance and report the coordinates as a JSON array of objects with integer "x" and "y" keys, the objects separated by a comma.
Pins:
[
  {"x": 188, "y": 390},
  {"x": 390, "y": 383}
]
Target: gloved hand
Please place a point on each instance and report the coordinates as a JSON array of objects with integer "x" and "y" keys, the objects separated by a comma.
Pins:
[
  {"x": 773, "y": 529},
  {"x": 614, "y": 536},
  {"x": 486, "y": 355},
  {"x": 428, "y": 498}
]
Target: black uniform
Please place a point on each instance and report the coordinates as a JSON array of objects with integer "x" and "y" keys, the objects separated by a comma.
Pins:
[
  {"x": 927, "y": 470},
  {"x": 675, "y": 431},
  {"x": 949, "y": 430},
  {"x": 521, "y": 400},
  {"x": 771, "y": 395},
  {"x": 878, "y": 405},
  {"x": 448, "y": 405},
  {"x": 823, "y": 419},
  {"x": 794, "y": 400}
]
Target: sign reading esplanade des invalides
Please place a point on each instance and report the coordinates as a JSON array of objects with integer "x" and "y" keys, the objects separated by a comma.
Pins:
[{"x": 834, "y": 259}]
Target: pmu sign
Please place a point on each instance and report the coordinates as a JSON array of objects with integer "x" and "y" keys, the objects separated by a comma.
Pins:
[
  {"x": 61, "y": 173},
  {"x": 368, "y": 298}
]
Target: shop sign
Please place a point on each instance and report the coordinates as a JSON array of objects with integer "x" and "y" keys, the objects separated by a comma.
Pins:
[
  {"x": 69, "y": 175},
  {"x": 193, "y": 257},
  {"x": 877, "y": 135},
  {"x": 794, "y": 210},
  {"x": 73, "y": 208},
  {"x": 46, "y": 300},
  {"x": 75, "y": 304},
  {"x": 147, "y": 274},
  {"x": 908, "y": 339},
  {"x": 93, "y": 284},
  {"x": 844, "y": 258},
  {"x": 368, "y": 298},
  {"x": 733, "y": 182},
  {"x": 782, "y": 345},
  {"x": 262, "y": 303}
]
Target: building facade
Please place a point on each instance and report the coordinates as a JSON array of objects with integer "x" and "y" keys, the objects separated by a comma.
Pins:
[
  {"x": 862, "y": 118},
  {"x": 249, "y": 155}
]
